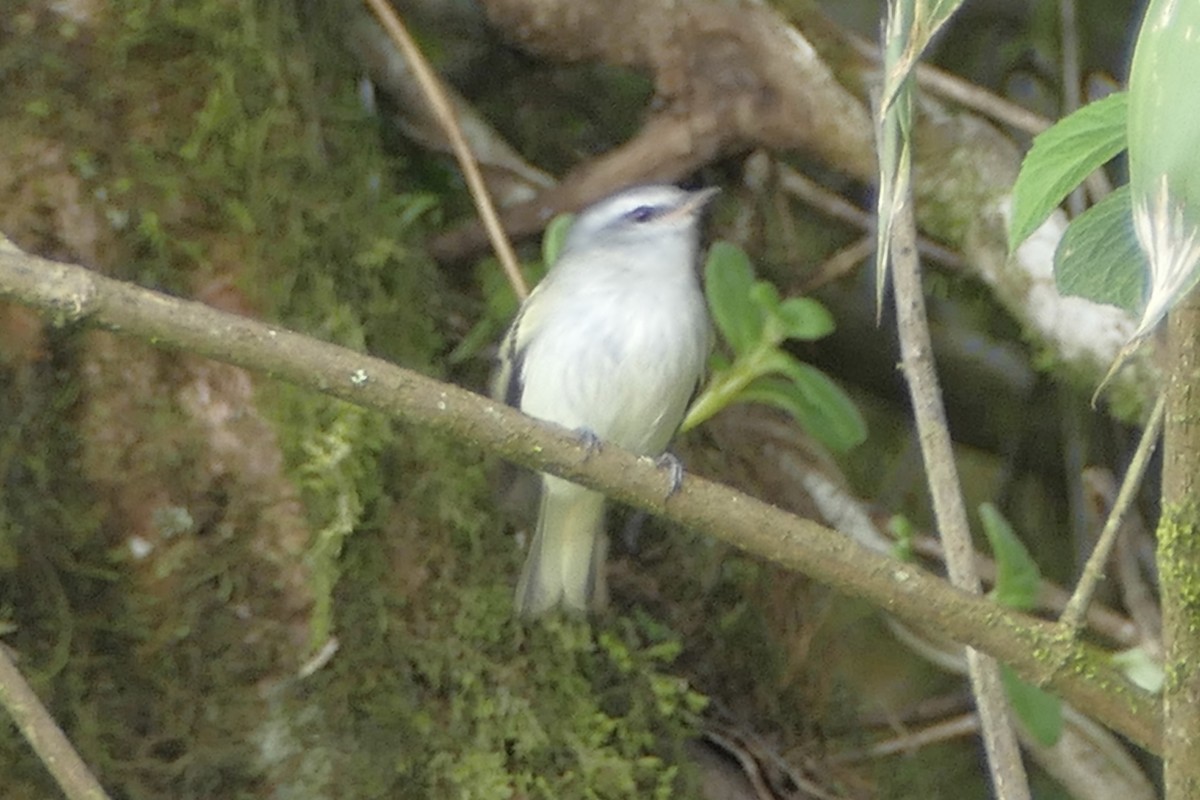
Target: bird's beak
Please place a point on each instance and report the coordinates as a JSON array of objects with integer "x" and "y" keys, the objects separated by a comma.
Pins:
[
  {"x": 696, "y": 201},
  {"x": 700, "y": 198}
]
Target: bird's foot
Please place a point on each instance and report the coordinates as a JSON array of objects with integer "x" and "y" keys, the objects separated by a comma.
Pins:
[
  {"x": 674, "y": 467},
  {"x": 589, "y": 441}
]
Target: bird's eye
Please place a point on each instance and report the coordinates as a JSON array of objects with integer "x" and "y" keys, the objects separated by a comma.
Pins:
[{"x": 642, "y": 214}]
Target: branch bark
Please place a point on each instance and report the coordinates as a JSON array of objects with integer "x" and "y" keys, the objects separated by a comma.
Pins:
[
  {"x": 728, "y": 77},
  {"x": 69, "y": 294},
  {"x": 999, "y": 736},
  {"x": 1179, "y": 555},
  {"x": 44, "y": 736}
]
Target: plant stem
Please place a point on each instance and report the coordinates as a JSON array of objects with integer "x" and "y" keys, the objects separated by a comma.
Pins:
[
  {"x": 726, "y": 385},
  {"x": 1073, "y": 615},
  {"x": 44, "y": 735},
  {"x": 916, "y": 348}
]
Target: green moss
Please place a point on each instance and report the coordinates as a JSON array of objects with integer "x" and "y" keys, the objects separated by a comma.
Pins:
[
  {"x": 1179, "y": 567},
  {"x": 241, "y": 167},
  {"x": 438, "y": 692}
]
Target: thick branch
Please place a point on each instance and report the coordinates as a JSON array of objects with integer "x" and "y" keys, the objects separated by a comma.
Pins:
[
  {"x": 729, "y": 77},
  {"x": 1179, "y": 555},
  {"x": 70, "y": 294}
]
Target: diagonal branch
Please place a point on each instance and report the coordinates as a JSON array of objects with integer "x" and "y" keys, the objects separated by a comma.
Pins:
[
  {"x": 69, "y": 294},
  {"x": 44, "y": 736}
]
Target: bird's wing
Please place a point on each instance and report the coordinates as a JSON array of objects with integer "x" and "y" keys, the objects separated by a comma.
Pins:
[{"x": 509, "y": 380}]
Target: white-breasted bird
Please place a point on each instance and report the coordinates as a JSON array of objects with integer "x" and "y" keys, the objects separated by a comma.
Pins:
[{"x": 612, "y": 343}]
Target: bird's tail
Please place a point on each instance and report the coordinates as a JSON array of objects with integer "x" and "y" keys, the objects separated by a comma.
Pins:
[{"x": 565, "y": 564}]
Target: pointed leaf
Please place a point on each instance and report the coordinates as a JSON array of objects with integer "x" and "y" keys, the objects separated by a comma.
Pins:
[
  {"x": 1061, "y": 157},
  {"x": 1099, "y": 257},
  {"x": 816, "y": 402},
  {"x": 1164, "y": 162},
  {"x": 910, "y": 27},
  {"x": 893, "y": 123},
  {"x": 1168, "y": 229},
  {"x": 728, "y": 281},
  {"x": 1164, "y": 104},
  {"x": 1039, "y": 711},
  {"x": 1018, "y": 578}
]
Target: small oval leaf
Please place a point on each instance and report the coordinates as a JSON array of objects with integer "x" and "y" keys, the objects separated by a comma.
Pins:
[
  {"x": 804, "y": 318},
  {"x": 728, "y": 281}
]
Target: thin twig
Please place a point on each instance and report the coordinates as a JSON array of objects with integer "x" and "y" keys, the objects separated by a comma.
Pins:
[
  {"x": 837, "y": 207},
  {"x": 838, "y": 265},
  {"x": 1093, "y": 570},
  {"x": 916, "y": 348},
  {"x": 444, "y": 111},
  {"x": 1072, "y": 95},
  {"x": 1136, "y": 593},
  {"x": 1052, "y": 598},
  {"x": 898, "y": 246},
  {"x": 44, "y": 735},
  {"x": 954, "y": 728},
  {"x": 968, "y": 95},
  {"x": 748, "y": 750}
]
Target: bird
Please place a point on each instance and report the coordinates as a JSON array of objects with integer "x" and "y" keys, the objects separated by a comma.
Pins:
[{"x": 613, "y": 344}]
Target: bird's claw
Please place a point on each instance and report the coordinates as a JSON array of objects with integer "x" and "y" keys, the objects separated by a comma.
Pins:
[
  {"x": 589, "y": 441},
  {"x": 674, "y": 466}
]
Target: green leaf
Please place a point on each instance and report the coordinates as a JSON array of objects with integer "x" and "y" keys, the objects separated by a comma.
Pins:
[
  {"x": 1061, "y": 157},
  {"x": 1164, "y": 103},
  {"x": 765, "y": 296},
  {"x": 893, "y": 133},
  {"x": 555, "y": 236},
  {"x": 1164, "y": 163},
  {"x": 1039, "y": 711},
  {"x": 728, "y": 282},
  {"x": 911, "y": 25},
  {"x": 804, "y": 318},
  {"x": 816, "y": 402},
  {"x": 1141, "y": 668},
  {"x": 1099, "y": 258},
  {"x": 906, "y": 534},
  {"x": 1017, "y": 576}
]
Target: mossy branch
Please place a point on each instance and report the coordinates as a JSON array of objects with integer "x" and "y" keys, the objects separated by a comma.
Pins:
[
  {"x": 72, "y": 295},
  {"x": 1179, "y": 555}
]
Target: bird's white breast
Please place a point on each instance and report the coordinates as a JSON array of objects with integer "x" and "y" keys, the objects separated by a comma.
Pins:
[{"x": 619, "y": 357}]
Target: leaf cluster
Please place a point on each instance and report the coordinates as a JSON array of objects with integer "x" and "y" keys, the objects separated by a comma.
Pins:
[{"x": 754, "y": 322}]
